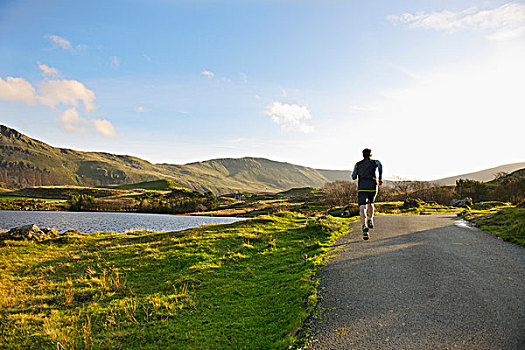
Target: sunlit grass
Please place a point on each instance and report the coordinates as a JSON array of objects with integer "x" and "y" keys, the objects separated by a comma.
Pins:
[
  {"x": 505, "y": 222},
  {"x": 30, "y": 198},
  {"x": 244, "y": 285}
]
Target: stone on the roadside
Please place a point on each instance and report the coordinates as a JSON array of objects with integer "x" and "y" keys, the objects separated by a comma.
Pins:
[
  {"x": 412, "y": 203},
  {"x": 465, "y": 202}
]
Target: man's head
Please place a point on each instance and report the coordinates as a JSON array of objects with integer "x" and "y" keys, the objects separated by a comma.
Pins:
[{"x": 367, "y": 152}]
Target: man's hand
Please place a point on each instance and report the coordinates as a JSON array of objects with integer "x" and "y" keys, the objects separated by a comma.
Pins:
[{"x": 380, "y": 182}]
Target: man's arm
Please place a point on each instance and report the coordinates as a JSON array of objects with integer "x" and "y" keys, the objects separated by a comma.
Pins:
[
  {"x": 354, "y": 174},
  {"x": 380, "y": 169}
]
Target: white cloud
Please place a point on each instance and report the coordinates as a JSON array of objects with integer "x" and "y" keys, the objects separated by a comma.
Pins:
[
  {"x": 61, "y": 42},
  {"x": 49, "y": 71},
  {"x": 115, "y": 62},
  {"x": 71, "y": 121},
  {"x": 67, "y": 92},
  {"x": 105, "y": 128},
  {"x": 64, "y": 43},
  {"x": 290, "y": 116},
  {"x": 207, "y": 73},
  {"x": 140, "y": 109},
  {"x": 244, "y": 77},
  {"x": 18, "y": 89},
  {"x": 51, "y": 93},
  {"x": 504, "y": 22}
]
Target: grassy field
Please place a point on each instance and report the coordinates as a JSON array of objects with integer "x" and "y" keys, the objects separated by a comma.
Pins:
[
  {"x": 246, "y": 285},
  {"x": 505, "y": 222},
  {"x": 306, "y": 200},
  {"x": 6, "y": 198},
  {"x": 64, "y": 192},
  {"x": 396, "y": 208},
  {"x": 156, "y": 185},
  {"x": 423, "y": 209}
]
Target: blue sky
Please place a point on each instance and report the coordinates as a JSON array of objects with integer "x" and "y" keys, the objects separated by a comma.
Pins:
[{"x": 435, "y": 88}]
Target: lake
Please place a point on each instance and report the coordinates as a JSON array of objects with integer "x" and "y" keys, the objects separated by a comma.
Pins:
[{"x": 106, "y": 221}]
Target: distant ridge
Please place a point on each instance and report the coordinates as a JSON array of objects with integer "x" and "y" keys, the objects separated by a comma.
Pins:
[
  {"x": 28, "y": 162},
  {"x": 482, "y": 175}
]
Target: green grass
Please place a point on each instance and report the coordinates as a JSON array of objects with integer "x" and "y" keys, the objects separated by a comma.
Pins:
[
  {"x": 241, "y": 286},
  {"x": 507, "y": 223},
  {"x": 30, "y": 198},
  {"x": 64, "y": 192},
  {"x": 489, "y": 205},
  {"x": 424, "y": 209},
  {"x": 156, "y": 185}
]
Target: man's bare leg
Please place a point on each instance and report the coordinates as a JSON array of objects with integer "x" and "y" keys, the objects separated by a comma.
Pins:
[
  {"x": 370, "y": 212},
  {"x": 362, "y": 214}
]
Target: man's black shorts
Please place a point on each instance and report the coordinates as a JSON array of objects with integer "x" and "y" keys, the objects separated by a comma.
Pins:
[{"x": 364, "y": 196}]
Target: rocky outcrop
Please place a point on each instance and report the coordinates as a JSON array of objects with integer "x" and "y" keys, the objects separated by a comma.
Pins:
[
  {"x": 465, "y": 202},
  {"x": 29, "y": 233}
]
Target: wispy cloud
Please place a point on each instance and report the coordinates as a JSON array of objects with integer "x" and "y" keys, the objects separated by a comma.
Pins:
[
  {"x": 115, "y": 62},
  {"x": 504, "y": 22},
  {"x": 207, "y": 73},
  {"x": 363, "y": 108},
  {"x": 60, "y": 42},
  {"x": 290, "y": 117},
  {"x": 63, "y": 43},
  {"x": 49, "y": 71}
]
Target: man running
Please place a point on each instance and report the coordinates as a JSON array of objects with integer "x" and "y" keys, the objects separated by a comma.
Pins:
[{"x": 365, "y": 171}]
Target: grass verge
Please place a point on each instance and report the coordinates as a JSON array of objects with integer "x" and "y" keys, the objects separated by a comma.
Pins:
[
  {"x": 244, "y": 285},
  {"x": 507, "y": 223},
  {"x": 421, "y": 209}
]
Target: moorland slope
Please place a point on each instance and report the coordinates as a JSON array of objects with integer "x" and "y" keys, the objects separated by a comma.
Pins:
[{"x": 25, "y": 162}]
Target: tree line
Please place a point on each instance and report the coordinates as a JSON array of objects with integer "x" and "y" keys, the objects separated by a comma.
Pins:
[
  {"x": 505, "y": 189},
  {"x": 175, "y": 202}
]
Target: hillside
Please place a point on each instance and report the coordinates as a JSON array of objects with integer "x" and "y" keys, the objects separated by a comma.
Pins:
[
  {"x": 482, "y": 175},
  {"x": 28, "y": 162},
  {"x": 249, "y": 174},
  {"x": 154, "y": 185},
  {"x": 518, "y": 174}
]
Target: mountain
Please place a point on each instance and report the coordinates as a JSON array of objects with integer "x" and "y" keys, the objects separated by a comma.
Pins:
[
  {"x": 28, "y": 162},
  {"x": 515, "y": 175},
  {"x": 250, "y": 174},
  {"x": 482, "y": 175}
]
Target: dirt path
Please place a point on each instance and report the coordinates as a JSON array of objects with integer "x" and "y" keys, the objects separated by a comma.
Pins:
[{"x": 422, "y": 282}]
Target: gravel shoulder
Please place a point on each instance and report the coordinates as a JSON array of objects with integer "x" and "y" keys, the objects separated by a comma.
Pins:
[{"x": 421, "y": 282}]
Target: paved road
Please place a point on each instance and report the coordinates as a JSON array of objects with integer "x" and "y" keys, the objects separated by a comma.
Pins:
[{"x": 422, "y": 282}]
